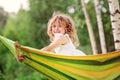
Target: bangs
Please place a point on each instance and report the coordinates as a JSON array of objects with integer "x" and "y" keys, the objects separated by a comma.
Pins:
[{"x": 61, "y": 21}]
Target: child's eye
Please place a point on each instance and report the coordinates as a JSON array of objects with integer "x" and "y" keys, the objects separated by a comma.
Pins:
[{"x": 53, "y": 26}]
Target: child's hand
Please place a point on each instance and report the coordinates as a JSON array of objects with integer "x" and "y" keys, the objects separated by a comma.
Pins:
[
  {"x": 20, "y": 58},
  {"x": 57, "y": 36}
]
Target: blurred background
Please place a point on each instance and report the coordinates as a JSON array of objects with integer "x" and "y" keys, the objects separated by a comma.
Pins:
[{"x": 26, "y": 21}]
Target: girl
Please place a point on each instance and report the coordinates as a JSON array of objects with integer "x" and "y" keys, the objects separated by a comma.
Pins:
[{"x": 62, "y": 33}]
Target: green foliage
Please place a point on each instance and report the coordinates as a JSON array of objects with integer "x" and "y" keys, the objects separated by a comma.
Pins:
[
  {"x": 17, "y": 28},
  {"x": 80, "y": 24},
  {"x": 40, "y": 12},
  {"x": 30, "y": 27}
]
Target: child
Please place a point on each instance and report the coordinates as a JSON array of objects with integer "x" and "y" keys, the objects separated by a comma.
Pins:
[{"x": 62, "y": 33}]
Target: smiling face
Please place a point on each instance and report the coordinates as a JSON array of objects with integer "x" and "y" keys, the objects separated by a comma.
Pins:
[
  {"x": 58, "y": 24},
  {"x": 62, "y": 24},
  {"x": 58, "y": 27}
]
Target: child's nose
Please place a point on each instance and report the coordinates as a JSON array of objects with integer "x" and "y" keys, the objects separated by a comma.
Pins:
[{"x": 56, "y": 28}]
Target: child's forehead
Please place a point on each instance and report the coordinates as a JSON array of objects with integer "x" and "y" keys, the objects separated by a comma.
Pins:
[{"x": 59, "y": 23}]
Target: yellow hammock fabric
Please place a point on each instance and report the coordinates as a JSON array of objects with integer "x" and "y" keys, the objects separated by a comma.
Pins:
[{"x": 91, "y": 67}]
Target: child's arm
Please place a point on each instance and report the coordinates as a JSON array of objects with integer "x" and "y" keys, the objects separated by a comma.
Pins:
[{"x": 61, "y": 41}]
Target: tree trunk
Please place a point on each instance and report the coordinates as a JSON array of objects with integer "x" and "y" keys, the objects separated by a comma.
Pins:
[
  {"x": 100, "y": 26},
  {"x": 115, "y": 20},
  {"x": 91, "y": 33}
]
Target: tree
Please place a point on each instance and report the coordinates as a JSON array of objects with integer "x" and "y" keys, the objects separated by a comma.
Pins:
[
  {"x": 115, "y": 20},
  {"x": 91, "y": 33},
  {"x": 100, "y": 25},
  {"x": 3, "y": 19}
]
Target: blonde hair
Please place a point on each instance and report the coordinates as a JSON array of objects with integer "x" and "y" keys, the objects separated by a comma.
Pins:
[{"x": 69, "y": 27}]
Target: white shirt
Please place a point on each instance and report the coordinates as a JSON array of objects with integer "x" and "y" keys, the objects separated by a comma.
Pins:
[{"x": 67, "y": 49}]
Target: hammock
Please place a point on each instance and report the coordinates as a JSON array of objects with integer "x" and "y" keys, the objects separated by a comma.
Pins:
[{"x": 90, "y": 67}]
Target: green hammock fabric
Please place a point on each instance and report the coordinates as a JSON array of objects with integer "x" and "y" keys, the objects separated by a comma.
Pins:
[{"x": 90, "y": 67}]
